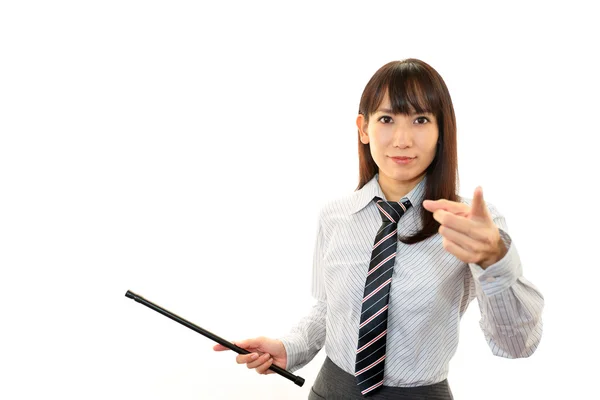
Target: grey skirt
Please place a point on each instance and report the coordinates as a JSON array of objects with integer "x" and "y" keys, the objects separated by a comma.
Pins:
[{"x": 333, "y": 383}]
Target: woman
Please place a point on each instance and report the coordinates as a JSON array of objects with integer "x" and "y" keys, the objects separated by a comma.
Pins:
[{"x": 398, "y": 261}]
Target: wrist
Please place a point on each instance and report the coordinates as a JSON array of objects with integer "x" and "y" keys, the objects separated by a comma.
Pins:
[{"x": 498, "y": 255}]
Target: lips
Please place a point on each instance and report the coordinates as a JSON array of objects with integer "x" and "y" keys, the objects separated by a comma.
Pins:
[{"x": 403, "y": 160}]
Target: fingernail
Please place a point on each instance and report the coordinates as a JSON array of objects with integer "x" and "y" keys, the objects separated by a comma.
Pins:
[{"x": 254, "y": 356}]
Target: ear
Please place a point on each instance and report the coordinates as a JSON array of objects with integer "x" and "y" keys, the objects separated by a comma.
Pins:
[{"x": 362, "y": 124}]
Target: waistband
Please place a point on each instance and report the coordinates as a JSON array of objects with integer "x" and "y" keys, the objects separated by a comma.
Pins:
[{"x": 334, "y": 383}]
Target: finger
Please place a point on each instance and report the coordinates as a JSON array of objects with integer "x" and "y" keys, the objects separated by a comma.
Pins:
[
  {"x": 478, "y": 207},
  {"x": 263, "y": 368},
  {"x": 248, "y": 344},
  {"x": 471, "y": 228},
  {"x": 263, "y": 358},
  {"x": 453, "y": 221},
  {"x": 456, "y": 251},
  {"x": 463, "y": 241},
  {"x": 450, "y": 206},
  {"x": 246, "y": 358},
  {"x": 219, "y": 347}
]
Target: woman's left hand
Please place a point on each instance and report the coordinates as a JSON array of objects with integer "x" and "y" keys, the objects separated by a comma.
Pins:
[{"x": 468, "y": 232}]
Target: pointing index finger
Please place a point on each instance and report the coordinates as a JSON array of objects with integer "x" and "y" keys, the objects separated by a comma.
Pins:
[{"x": 478, "y": 204}]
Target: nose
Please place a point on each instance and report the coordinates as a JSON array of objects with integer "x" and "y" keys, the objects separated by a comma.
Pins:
[{"x": 402, "y": 137}]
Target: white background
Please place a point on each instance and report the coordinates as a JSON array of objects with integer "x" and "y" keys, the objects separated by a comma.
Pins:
[{"x": 182, "y": 150}]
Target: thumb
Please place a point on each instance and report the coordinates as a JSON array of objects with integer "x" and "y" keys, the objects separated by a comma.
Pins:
[
  {"x": 248, "y": 343},
  {"x": 478, "y": 207}
]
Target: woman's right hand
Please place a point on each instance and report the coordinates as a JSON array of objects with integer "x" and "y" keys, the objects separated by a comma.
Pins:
[{"x": 263, "y": 353}]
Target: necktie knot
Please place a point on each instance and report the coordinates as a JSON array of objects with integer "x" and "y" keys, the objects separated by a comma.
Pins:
[{"x": 391, "y": 211}]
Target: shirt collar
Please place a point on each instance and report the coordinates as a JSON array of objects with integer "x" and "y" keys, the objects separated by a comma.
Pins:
[{"x": 372, "y": 189}]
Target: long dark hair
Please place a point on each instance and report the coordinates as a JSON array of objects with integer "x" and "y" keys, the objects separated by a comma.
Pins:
[{"x": 413, "y": 85}]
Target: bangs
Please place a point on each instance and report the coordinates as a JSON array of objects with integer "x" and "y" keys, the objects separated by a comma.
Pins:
[{"x": 410, "y": 87}]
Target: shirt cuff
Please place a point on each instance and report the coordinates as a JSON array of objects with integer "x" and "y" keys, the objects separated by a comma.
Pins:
[
  {"x": 503, "y": 274},
  {"x": 294, "y": 348}
]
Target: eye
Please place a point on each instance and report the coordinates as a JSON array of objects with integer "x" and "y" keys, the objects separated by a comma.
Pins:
[
  {"x": 421, "y": 120},
  {"x": 385, "y": 118}
]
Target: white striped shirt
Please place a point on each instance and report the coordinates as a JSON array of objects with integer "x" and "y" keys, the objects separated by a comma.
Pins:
[{"x": 429, "y": 293}]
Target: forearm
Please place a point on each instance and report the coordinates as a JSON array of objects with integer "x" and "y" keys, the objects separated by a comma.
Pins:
[
  {"x": 306, "y": 339},
  {"x": 511, "y": 307}
]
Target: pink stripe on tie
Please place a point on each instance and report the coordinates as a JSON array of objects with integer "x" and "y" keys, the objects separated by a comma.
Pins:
[
  {"x": 373, "y": 317},
  {"x": 370, "y": 366},
  {"x": 380, "y": 264},
  {"x": 372, "y": 341},
  {"x": 387, "y": 237},
  {"x": 386, "y": 214},
  {"x": 377, "y": 290},
  {"x": 402, "y": 205},
  {"x": 375, "y": 386}
]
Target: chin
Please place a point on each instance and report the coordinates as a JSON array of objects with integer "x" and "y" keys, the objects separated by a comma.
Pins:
[
  {"x": 408, "y": 174},
  {"x": 399, "y": 176}
]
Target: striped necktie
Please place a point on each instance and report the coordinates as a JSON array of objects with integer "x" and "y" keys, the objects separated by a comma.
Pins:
[{"x": 372, "y": 333}]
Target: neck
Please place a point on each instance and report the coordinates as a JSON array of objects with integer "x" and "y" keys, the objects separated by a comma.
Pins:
[{"x": 395, "y": 190}]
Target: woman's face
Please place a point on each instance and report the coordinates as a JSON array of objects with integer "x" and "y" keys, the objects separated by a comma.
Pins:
[{"x": 392, "y": 136}]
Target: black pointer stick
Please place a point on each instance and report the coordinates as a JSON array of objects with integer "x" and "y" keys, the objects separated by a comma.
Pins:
[{"x": 296, "y": 379}]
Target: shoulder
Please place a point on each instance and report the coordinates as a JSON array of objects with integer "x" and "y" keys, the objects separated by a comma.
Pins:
[{"x": 338, "y": 206}]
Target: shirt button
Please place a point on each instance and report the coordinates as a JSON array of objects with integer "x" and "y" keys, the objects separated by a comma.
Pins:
[{"x": 490, "y": 279}]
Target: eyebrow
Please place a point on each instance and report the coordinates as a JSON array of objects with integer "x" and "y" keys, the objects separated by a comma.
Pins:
[{"x": 388, "y": 111}]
